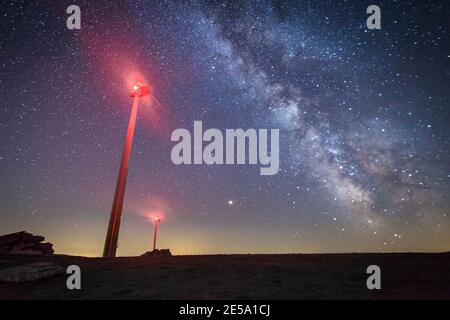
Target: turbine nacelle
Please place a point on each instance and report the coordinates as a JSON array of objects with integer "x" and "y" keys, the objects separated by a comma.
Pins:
[{"x": 140, "y": 89}]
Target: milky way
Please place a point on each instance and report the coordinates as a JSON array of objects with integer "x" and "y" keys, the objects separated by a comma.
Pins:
[{"x": 363, "y": 118}]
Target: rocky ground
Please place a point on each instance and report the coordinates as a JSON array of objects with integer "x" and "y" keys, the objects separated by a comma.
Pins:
[{"x": 296, "y": 276}]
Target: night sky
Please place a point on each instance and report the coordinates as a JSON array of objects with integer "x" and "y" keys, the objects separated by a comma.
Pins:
[{"x": 363, "y": 118}]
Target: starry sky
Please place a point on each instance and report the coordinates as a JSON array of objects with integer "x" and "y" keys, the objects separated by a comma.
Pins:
[{"x": 363, "y": 118}]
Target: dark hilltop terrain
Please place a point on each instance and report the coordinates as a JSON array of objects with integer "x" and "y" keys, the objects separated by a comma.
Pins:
[{"x": 280, "y": 276}]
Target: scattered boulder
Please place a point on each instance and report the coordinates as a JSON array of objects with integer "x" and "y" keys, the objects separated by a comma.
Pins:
[
  {"x": 24, "y": 243},
  {"x": 30, "y": 272},
  {"x": 157, "y": 253}
]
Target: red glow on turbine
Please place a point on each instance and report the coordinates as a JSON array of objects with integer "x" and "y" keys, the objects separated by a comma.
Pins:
[
  {"x": 140, "y": 89},
  {"x": 156, "y": 221},
  {"x": 155, "y": 216}
]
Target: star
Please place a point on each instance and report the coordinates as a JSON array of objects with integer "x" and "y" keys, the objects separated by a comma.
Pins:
[{"x": 362, "y": 117}]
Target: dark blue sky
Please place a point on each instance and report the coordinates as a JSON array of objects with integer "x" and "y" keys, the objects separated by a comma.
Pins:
[{"x": 363, "y": 118}]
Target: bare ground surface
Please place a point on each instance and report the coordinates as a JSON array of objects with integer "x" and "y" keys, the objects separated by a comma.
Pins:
[{"x": 283, "y": 276}]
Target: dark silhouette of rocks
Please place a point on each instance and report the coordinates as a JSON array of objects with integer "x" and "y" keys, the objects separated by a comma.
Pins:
[
  {"x": 24, "y": 243},
  {"x": 157, "y": 253}
]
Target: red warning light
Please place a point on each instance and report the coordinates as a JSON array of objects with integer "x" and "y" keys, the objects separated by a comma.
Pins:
[{"x": 140, "y": 89}]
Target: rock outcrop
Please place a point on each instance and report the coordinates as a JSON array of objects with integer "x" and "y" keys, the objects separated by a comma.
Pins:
[
  {"x": 158, "y": 253},
  {"x": 24, "y": 243}
]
